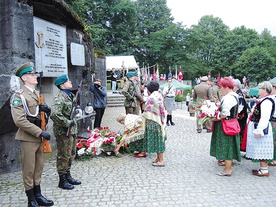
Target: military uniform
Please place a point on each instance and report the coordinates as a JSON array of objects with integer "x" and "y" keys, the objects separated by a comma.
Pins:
[
  {"x": 25, "y": 113},
  {"x": 133, "y": 98},
  {"x": 202, "y": 92},
  {"x": 216, "y": 94},
  {"x": 66, "y": 143}
]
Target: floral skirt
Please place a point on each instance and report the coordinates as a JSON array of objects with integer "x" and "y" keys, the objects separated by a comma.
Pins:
[
  {"x": 153, "y": 140},
  {"x": 224, "y": 147}
]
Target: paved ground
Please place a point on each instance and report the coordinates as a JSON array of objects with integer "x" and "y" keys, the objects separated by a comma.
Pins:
[{"x": 188, "y": 178}]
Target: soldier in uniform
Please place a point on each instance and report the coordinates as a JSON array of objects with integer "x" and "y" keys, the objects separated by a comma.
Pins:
[
  {"x": 202, "y": 92},
  {"x": 25, "y": 110},
  {"x": 66, "y": 140},
  {"x": 216, "y": 94},
  {"x": 132, "y": 93}
]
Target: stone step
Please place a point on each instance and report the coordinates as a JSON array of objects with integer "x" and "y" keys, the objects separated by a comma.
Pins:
[{"x": 115, "y": 100}]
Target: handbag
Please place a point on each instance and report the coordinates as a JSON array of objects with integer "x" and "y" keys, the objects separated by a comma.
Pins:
[{"x": 230, "y": 127}]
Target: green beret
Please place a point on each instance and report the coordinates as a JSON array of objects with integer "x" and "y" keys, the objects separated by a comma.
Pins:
[
  {"x": 61, "y": 79},
  {"x": 131, "y": 74},
  {"x": 25, "y": 68}
]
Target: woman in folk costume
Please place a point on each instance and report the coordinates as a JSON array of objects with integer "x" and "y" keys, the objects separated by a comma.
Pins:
[
  {"x": 259, "y": 145},
  {"x": 273, "y": 121},
  {"x": 169, "y": 96},
  {"x": 154, "y": 113},
  {"x": 242, "y": 111},
  {"x": 224, "y": 147},
  {"x": 134, "y": 129}
]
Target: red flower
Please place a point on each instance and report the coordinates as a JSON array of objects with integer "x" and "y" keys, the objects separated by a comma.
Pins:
[
  {"x": 87, "y": 144},
  {"x": 79, "y": 145}
]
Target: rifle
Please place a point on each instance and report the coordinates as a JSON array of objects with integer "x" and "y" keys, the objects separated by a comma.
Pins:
[
  {"x": 74, "y": 105},
  {"x": 46, "y": 144}
]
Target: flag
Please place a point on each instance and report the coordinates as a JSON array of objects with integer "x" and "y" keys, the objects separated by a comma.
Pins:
[
  {"x": 148, "y": 72},
  {"x": 170, "y": 73},
  {"x": 218, "y": 80},
  {"x": 180, "y": 75},
  {"x": 154, "y": 74},
  {"x": 157, "y": 73}
]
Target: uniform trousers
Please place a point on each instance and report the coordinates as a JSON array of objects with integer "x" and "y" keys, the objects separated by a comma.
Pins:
[
  {"x": 32, "y": 163},
  {"x": 66, "y": 153}
]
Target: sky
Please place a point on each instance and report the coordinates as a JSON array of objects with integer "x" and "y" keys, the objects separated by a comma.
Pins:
[{"x": 253, "y": 14}]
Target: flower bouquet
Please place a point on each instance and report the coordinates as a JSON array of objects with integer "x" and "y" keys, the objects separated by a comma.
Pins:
[
  {"x": 208, "y": 111},
  {"x": 108, "y": 145},
  {"x": 99, "y": 140}
]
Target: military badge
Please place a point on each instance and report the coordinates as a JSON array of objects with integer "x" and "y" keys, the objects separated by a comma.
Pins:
[{"x": 16, "y": 102}]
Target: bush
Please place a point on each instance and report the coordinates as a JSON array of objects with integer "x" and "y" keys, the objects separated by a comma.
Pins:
[{"x": 178, "y": 98}]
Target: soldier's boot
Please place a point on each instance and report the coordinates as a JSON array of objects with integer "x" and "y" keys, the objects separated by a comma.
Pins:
[
  {"x": 71, "y": 180},
  {"x": 40, "y": 199},
  {"x": 31, "y": 198},
  {"x": 63, "y": 183}
]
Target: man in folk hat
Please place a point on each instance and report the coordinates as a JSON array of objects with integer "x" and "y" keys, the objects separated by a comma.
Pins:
[
  {"x": 66, "y": 142},
  {"x": 25, "y": 110},
  {"x": 202, "y": 92},
  {"x": 132, "y": 93}
]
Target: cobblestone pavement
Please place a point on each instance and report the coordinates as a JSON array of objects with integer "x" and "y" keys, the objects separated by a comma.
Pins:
[{"x": 188, "y": 178}]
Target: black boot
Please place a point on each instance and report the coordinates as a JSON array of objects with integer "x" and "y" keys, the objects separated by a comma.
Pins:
[
  {"x": 168, "y": 119},
  {"x": 63, "y": 183},
  {"x": 31, "y": 198},
  {"x": 172, "y": 123},
  {"x": 40, "y": 199},
  {"x": 72, "y": 180}
]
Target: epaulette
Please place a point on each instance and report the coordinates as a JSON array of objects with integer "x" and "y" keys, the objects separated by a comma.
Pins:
[{"x": 19, "y": 91}]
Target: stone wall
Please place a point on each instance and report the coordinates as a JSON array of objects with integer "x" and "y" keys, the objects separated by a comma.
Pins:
[{"x": 17, "y": 47}]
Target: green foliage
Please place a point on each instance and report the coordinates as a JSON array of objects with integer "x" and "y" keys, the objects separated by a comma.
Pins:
[
  {"x": 145, "y": 29},
  {"x": 178, "y": 98},
  {"x": 258, "y": 63}
]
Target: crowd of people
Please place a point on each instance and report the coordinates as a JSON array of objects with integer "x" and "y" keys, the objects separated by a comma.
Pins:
[
  {"x": 256, "y": 124},
  {"x": 148, "y": 110}
]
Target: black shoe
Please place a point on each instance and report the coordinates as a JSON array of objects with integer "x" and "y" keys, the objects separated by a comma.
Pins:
[
  {"x": 64, "y": 184},
  {"x": 40, "y": 199},
  {"x": 71, "y": 180},
  {"x": 168, "y": 124},
  {"x": 31, "y": 198},
  {"x": 199, "y": 130},
  {"x": 172, "y": 123}
]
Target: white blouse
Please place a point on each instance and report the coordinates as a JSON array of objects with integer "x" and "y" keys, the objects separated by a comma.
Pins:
[{"x": 227, "y": 102}]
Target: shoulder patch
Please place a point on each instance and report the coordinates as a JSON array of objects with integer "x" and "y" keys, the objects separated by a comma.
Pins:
[{"x": 16, "y": 101}]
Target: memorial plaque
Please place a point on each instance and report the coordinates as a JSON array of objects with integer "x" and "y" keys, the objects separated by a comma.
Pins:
[
  {"x": 50, "y": 48},
  {"x": 77, "y": 54}
]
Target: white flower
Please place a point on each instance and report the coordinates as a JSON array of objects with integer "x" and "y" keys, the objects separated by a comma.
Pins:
[{"x": 81, "y": 151}]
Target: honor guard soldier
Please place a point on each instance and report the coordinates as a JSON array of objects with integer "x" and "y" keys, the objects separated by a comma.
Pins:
[
  {"x": 25, "y": 110},
  {"x": 65, "y": 131},
  {"x": 132, "y": 93}
]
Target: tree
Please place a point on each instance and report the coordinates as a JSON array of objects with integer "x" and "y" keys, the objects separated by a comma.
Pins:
[
  {"x": 258, "y": 64},
  {"x": 205, "y": 43},
  {"x": 152, "y": 16}
]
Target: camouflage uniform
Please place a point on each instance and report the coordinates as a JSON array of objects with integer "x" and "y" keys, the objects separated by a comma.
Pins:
[
  {"x": 66, "y": 146},
  {"x": 132, "y": 106}
]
